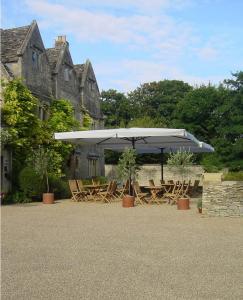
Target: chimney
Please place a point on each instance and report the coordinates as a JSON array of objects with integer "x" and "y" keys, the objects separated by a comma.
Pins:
[{"x": 60, "y": 41}]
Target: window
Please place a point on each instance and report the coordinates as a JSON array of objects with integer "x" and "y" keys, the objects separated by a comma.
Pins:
[
  {"x": 66, "y": 74},
  {"x": 92, "y": 167},
  {"x": 35, "y": 58}
]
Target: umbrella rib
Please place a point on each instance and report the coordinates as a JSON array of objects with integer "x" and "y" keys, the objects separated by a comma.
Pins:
[{"x": 103, "y": 141}]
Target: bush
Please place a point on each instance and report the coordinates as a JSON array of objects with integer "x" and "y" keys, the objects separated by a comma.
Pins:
[
  {"x": 30, "y": 183},
  {"x": 234, "y": 176},
  {"x": 15, "y": 197},
  {"x": 59, "y": 187}
]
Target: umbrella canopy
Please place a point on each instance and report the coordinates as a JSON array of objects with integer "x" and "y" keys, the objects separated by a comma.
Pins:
[
  {"x": 127, "y": 137},
  {"x": 144, "y": 140}
]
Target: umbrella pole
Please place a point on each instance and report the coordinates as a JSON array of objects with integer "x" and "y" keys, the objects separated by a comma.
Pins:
[
  {"x": 162, "y": 162},
  {"x": 132, "y": 179}
]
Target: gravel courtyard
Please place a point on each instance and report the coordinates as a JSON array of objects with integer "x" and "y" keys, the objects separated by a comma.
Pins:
[{"x": 103, "y": 251}]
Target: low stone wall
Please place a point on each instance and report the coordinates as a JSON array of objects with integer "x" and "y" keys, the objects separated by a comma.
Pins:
[
  {"x": 154, "y": 172},
  {"x": 223, "y": 198}
]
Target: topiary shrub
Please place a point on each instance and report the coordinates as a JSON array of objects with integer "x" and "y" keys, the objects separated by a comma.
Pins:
[
  {"x": 31, "y": 184},
  {"x": 59, "y": 187}
]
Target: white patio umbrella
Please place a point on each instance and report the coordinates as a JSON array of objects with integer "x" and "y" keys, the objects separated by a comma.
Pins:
[
  {"x": 142, "y": 139},
  {"x": 141, "y": 149}
]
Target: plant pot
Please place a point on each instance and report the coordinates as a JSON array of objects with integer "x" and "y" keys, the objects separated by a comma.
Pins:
[
  {"x": 199, "y": 210},
  {"x": 48, "y": 198},
  {"x": 128, "y": 201},
  {"x": 183, "y": 203}
]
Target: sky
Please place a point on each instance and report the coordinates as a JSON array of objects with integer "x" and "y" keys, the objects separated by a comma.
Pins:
[{"x": 130, "y": 42}]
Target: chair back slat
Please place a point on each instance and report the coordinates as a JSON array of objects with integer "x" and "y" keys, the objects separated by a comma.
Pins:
[
  {"x": 113, "y": 187},
  {"x": 73, "y": 185},
  {"x": 80, "y": 185},
  {"x": 151, "y": 182}
]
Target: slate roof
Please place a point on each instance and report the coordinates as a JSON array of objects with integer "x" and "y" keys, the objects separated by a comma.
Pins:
[
  {"x": 11, "y": 42},
  {"x": 53, "y": 54},
  {"x": 79, "y": 68}
]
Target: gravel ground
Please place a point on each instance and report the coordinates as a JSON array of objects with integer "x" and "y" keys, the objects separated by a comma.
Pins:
[{"x": 103, "y": 251}]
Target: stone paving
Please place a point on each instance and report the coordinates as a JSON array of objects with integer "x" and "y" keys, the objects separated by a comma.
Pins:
[{"x": 103, "y": 251}]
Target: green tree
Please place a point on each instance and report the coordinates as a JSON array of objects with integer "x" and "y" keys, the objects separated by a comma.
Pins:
[
  {"x": 116, "y": 108},
  {"x": 146, "y": 122},
  {"x": 158, "y": 99}
]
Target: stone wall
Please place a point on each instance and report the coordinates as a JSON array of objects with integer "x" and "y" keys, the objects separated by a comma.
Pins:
[
  {"x": 222, "y": 198},
  {"x": 154, "y": 172}
]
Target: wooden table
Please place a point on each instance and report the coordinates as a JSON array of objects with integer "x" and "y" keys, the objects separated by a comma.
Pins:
[
  {"x": 95, "y": 188},
  {"x": 155, "y": 191},
  {"x": 167, "y": 187}
]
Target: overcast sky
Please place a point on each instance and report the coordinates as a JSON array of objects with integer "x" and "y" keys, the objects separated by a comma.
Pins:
[{"x": 130, "y": 42}]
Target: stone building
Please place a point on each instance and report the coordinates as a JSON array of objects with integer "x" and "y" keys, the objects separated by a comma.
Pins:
[{"x": 51, "y": 74}]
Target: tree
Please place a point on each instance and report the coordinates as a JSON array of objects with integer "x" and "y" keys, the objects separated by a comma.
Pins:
[
  {"x": 158, "y": 99},
  {"x": 146, "y": 122},
  {"x": 127, "y": 167},
  {"x": 180, "y": 162},
  {"x": 116, "y": 108}
]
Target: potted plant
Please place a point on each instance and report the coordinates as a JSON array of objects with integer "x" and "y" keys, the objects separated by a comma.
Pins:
[
  {"x": 127, "y": 170},
  {"x": 199, "y": 205},
  {"x": 46, "y": 162},
  {"x": 181, "y": 162}
]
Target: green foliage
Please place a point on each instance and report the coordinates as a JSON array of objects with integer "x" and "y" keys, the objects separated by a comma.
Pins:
[
  {"x": 46, "y": 163},
  {"x": 146, "y": 122},
  {"x": 158, "y": 100},
  {"x": 233, "y": 176},
  {"x": 60, "y": 187},
  {"x": 30, "y": 182},
  {"x": 127, "y": 166},
  {"x": 16, "y": 197},
  {"x": 116, "y": 108},
  {"x": 87, "y": 122},
  {"x": 180, "y": 161},
  {"x": 62, "y": 116},
  {"x": 18, "y": 112}
]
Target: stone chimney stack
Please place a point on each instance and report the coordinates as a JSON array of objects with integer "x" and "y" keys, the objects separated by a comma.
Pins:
[{"x": 60, "y": 41}]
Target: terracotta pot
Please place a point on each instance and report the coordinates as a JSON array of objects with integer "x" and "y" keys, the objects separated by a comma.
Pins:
[
  {"x": 183, "y": 203},
  {"x": 199, "y": 210},
  {"x": 48, "y": 198},
  {"x": 128, "y": 201}
]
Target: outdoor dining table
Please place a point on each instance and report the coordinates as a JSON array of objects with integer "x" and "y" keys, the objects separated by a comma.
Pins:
[
  {"x": 95, "y": 188},
  {"x": 155, "y": 190},
  {"x": 167, "y": 187}
]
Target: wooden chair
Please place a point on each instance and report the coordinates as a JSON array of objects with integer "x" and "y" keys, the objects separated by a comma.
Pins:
[
  {"x": 155, "y": 193},
  {"x": 162, "y": 181},
  {"x": 82, "y": 190},
  {"x": 95, "y": 181},
  {"x": 76, "y": 194},
  {"x": 109, "y": 194},
  {"x": 121, "y": 192},
  {"x": 174, "y": 194},
  {"x": 140, "y": 197}
]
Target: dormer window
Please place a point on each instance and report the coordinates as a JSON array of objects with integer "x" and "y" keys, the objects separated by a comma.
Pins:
[
  {"x": 35, "y": 58},
  {"x": 66, "y": 74}
]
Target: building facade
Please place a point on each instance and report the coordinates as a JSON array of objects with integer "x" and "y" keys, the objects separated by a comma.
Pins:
[{"x": 51, "y": 74}]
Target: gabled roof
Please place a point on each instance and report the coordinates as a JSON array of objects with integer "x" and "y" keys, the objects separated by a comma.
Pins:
[
  {"x": 56, "y": 56},
  {"x": 53, "y": 54},
  {"x": 14, "y": 41},
  {"x": 83, "y": 70}
]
